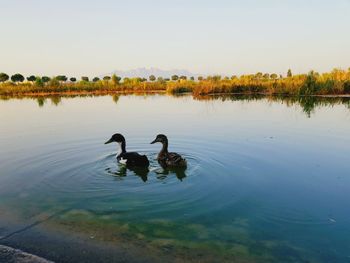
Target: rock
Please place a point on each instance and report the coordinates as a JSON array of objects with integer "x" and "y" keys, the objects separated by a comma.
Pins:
[{"x": 11, "y": 255}]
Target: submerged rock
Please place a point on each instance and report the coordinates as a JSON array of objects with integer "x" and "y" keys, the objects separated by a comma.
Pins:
[{"x": 11, "y": 255}]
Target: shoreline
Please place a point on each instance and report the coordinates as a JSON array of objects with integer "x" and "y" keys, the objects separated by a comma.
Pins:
[
  {"x": 161, "y": 92},
  {"x": 9, "y": 254}
]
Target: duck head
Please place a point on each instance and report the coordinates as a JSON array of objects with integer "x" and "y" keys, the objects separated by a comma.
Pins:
[
  {"x": 118, "y": 138},
  {"x": 160, "y": 138}
]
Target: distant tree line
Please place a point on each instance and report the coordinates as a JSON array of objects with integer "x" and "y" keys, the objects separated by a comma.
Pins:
[
  {"x": 17, "y": 78},
  {"x": 334, "y": 82}
]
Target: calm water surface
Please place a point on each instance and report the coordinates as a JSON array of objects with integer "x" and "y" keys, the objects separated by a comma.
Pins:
[{"x": 267, "y": 179}]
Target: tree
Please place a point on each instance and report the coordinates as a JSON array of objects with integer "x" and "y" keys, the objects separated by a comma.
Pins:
[
  {"x": 39, "y": 82},
  {"x": 289, "y": 73},
  {"x": 152, "y": 78},
  {"x": 61, "y": 78},
  {"x": 107, "y": 78},
  {"x": 116, "y": 79},
  {"x": 192, "y": 78},
  {"x": 45, "y": 79},
  {"x": 17, "y": 78},
  {"x": 216, "y": 78},
  {"x": 31, "y": 78},
  {"x": 233, "y": 77},
  {"x": 273, "y": 76},
  {"x": 72, "y": 79},
  {"x": 54, "y": 82},
  {"x": 266, "y": 76},
  {"x": 160, "y": 80},
  {"x": 259, "y": 75},
  {"x": 4, "y": 77},
  {"x": 309, "y": 86},
  {"x": 95, "y": 79},
  {"x": 183, "y": 77},
  {"x": 200, "y": 78},
  {"x": 174, "y": 77},
  {"x": 85, "y": 79}
]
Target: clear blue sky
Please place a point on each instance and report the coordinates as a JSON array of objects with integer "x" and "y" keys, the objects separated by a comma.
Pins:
[{"x": 219, "y": 36}]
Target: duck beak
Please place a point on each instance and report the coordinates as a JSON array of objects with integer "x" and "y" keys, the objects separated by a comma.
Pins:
[
  {"x": 155, "y": 140},
  {"x": 109, "y": 141}
]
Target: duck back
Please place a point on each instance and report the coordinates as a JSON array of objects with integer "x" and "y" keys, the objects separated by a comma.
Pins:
[
  {"x": 172, "y": 160},
  {"x": 133, "y": 159}
]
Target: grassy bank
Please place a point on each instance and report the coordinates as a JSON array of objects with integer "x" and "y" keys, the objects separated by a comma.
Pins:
[{"x": 336, "y": 82}]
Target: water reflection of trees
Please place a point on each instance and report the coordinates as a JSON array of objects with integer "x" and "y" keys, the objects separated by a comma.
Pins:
[{"x": 307, "y": 103}]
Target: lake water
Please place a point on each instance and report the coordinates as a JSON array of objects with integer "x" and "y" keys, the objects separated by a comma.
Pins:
[{"x": 267, "y": 179}]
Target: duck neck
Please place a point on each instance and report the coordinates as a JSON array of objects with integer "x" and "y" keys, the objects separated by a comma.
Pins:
[
  {"x": 164, "y": 148},
  {"x": 122, "y": 148}
]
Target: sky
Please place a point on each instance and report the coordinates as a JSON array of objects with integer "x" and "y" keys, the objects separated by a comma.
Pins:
[{"x": 76, "y": 37}]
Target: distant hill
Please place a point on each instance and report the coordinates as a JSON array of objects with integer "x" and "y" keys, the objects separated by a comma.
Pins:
[{"x": 146, "y": 72}]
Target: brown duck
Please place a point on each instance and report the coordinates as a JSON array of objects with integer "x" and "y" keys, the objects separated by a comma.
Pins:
[{"x": 168, "y": 159}]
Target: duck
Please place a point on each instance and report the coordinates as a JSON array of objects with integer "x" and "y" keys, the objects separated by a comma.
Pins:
[
  {"x": 130, "y": 159},
  {"x": 168, "y": 159}
]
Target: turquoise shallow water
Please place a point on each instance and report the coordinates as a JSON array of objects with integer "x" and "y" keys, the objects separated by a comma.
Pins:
[{"x": 267, "y": 179}]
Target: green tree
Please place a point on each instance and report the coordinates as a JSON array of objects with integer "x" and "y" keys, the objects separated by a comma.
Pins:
[
  {"x": 31, "y": 78},
  {"x": 192, "y": 78},
  {"x": 266, "y": 76},
  {"x": 273, "y": 76},
  {"x": 310, "y": 86},
  {"x": 233, "y": 77},
  {"x": 39, "y": 82},
  {"x": 152, "y": 78},
  {"x": 200, "y": 78},
  {"x": 73, "y": 79},
  {"x": 62, "y": 78},
  {"x": 107, "y": 78},
  {"x": 183, "y": 77},
  {"x": 174, "y": 77},
  {"x": 115, "y": 79},
  {"x": 45, "y": 79},
  {"x": 4, "y": 77},
  {"x": 17, "y": 78},
  {"x": 86, "y": 79},
  {"x": 289, "y": 73},
  {"x": 95, "y": 79}
]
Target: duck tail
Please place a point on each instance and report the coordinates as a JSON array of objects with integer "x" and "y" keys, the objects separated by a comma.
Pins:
[{"x": 145, "y": 160}]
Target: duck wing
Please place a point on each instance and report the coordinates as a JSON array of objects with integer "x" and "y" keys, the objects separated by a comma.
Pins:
[
  {"x": 175, "y": 159},
  {"x": 133, "y": 159}
]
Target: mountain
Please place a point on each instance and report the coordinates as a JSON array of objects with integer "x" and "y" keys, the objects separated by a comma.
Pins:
[{"x": 146, "y": 72}]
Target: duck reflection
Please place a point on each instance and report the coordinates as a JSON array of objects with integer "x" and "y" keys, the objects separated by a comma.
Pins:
[
  {"x": 161, "y": 173},
  {"x": 164, "y": 172},
  {"x": 138, "y": 171}
]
